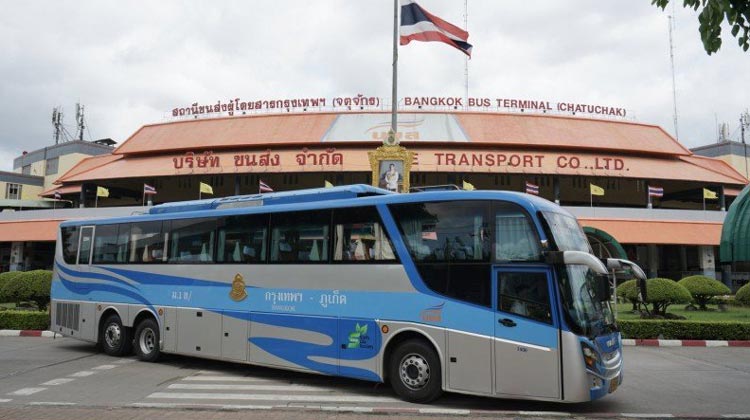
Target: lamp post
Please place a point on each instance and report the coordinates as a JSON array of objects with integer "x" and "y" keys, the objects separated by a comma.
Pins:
[{"x": 744, "y": 122}]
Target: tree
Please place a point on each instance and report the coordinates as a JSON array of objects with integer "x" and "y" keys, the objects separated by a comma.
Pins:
[
  {"x": 704, "y": 288},
  {"x": 713, "y": 13}
]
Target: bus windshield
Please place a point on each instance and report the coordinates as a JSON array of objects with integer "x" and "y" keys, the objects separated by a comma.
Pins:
[{"x": 588, "y": 313}]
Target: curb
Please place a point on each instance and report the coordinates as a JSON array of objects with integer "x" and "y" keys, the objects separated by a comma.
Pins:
[
  {"x": 26, "y": 333},
  {"x": 685, "y": 343}
]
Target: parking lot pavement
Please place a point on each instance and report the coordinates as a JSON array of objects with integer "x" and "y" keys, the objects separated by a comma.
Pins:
[{"x": 36, "y": 373}]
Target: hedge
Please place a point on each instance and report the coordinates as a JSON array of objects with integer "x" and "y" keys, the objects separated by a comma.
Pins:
[
  {"x": 26, "y": 286},
  {"x": 5, "y": 278},
  {"x": 24, "y": 320},
  {"x": 685, "y": 330}
]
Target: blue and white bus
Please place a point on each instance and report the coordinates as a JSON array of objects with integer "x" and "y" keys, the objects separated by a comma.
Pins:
[{"x": 478, "y": 292}]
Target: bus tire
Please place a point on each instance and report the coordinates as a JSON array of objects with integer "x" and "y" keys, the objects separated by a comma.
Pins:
[
  {"x": 147, "y": 340},
  {"x": 415, "y": 372},
  {"x": 116, "y": 339}
]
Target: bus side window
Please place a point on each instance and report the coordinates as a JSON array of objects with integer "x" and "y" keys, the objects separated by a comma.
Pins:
[
  {"x": 359, "y": 236},
  {"x": 300, "y": 236},
  {"x": 515, "y": 237},
  {"x": 69, "y": 237},
  {"x": 84, "y": 249},
  {"x": 525, "y": 294},
  {"x": 105, "y": 244},
  {"x": 146, "y": 243},
  {"x": 242, "y": 239},
  {"x": 192, "y": 240}
]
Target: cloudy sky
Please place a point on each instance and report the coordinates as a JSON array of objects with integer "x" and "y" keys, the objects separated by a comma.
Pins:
[{"x": 130, "y": 63}]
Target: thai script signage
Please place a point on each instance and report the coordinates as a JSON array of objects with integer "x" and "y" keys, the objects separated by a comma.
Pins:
[{"x": 361, "y": 102}]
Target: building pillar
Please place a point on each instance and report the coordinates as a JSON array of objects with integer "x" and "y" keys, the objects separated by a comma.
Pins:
[
  {"x": 16, "y": 256},
  {"x": 82, "y": 196},
  {"x": 726, "y": 276},
  {"x": 683, "y": 258},
  {"x": 556, "y": 189},
  {"x": 237, "y": 185},
  {"x": 653, "y": 261},
  {"x": 722, "y": 198},
  {"x": 706, "y": 255}
]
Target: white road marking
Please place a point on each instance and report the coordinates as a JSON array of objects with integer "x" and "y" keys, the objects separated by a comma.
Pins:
[
  {"x": 646, "y": 415},
  {"x": 226, "y": 379},
  {"x": 219, "y": 406},
  {"x": 446, "y": 411},
  {"x": 52, "y": 403},
  {"x": 736, "y": 416},
  {"x": 104, "y": 367},
  {"x": 124, "y": 361},
  {"x": 266, "y": 397},
  {"x": 236, "y": 387},
  {"x": 4, "y": 400},
  {"x": 82, "y": 374},
  {"x": 27, "y": 391},
  {"x": 59, "y": 381}
]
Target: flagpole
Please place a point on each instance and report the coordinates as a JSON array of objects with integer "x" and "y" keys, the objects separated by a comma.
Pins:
[
  {"x": 96, "y": 200},
  {"x": 394, "y": 93}
]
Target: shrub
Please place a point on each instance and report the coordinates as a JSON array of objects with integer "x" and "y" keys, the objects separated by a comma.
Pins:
[
  {"x": 4, "y": 278},
  {"x": 39, "y": 282},
  {"x": 629, "y": 291},
  {"x": 664, "y": 292},
  {"x": 16, "y": 289},
  {"x": 703, "y": 288},
  {"x": 743, "y": 295},
  {"x": 685, "y": 330},
  {"x": 24, "y": 320}
]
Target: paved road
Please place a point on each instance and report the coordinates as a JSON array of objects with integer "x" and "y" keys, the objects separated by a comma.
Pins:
[{"x": 36, "y": 373}]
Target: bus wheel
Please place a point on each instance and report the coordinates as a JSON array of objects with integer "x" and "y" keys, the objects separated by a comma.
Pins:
[
  {"x": 147, "y": 340},
  {"x": 415, "y": 372},
  {"x": 116, "y": 339}
]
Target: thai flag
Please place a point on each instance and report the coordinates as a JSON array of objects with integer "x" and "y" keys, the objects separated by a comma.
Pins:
[
  {"x": 148, "y": 190},
  {"x": 655, "y": 191},
  {"x": 417, "y": 24},
  {"x": 531, "y": 188},
  {"x": 263, "y": 187},
  {"x": 58, "y": 196}
]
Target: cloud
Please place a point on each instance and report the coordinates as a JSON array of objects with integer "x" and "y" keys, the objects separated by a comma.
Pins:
[{"x": 130, "y": 64}]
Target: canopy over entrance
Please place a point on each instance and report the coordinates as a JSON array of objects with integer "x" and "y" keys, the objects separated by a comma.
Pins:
[{"x": 735, "y": 235}]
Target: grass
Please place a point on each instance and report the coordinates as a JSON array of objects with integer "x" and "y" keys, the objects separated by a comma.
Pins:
[{"x": 733, "y": 313}]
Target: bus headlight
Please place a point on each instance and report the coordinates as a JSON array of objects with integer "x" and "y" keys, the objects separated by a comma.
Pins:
[{"x": 589, "y": 356}]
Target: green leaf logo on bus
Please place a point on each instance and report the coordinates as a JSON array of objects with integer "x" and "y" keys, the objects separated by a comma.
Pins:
[{"x": 354, "y": 338}]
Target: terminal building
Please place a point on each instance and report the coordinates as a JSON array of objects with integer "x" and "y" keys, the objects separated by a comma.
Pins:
[{"x": 565, "y": 157}]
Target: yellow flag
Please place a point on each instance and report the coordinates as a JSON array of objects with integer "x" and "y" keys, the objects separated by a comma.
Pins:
[
  {"x": 328, "y": 184},
  {"x": 468, "y": 186},
  {"x": 206, "y": 189},
  {"x": 102, "y": 192},
  {"x": 596, "y": 190},
  {"x": 708, "y": 194}
]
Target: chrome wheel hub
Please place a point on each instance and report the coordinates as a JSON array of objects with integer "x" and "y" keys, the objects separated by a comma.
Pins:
[
  {"x": 414, "y": 371},
  {"x": 147, "y": 341},
  {"x": 112, "y": 335}
]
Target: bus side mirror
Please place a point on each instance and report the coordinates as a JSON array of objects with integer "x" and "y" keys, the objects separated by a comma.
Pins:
[
  {"x": 640, "y": 276},
  {"x": 578, "y": 258},
  {"x": 603, "y": 290}
]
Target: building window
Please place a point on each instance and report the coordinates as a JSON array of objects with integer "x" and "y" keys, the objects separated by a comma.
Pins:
[
  {"x": 52, "y": 165},
  {"x": 13, "y": 191}
]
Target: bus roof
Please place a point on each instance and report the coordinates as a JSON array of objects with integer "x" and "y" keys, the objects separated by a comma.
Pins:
[{"x": 343, "y": 196}]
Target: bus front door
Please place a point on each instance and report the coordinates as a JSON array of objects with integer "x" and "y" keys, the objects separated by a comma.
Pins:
[{"x": 526, "y": 345}]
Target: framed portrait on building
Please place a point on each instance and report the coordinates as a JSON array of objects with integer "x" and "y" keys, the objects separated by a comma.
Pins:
[{"x": 390, "y": 168}]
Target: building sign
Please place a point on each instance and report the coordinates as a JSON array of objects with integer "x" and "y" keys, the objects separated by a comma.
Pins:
[
  {"x": 240, "y": 106},
  {"x": 416, "y": 160}
]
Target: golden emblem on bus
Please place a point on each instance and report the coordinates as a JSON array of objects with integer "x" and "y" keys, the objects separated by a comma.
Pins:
[{"x": 238, "y": 292}]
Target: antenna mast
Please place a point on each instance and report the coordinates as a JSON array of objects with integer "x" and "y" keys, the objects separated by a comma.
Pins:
[
  {"x": 57, "y": 115},
  {"x": 80, "y": 121},
  {"x": 671, "y": 59},
  {"x": 466, "y": 58}
]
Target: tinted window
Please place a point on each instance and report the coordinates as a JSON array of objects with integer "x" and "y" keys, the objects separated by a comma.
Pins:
[
  {"x": 300, "y": 236},
  {"x": 146, "y": 242},
  {"x": 111, "y": 244},
  {"x": 467, "y": 282},
  {"x": 447, "y": 231},
  {"x": 192, "y": 240},
  {"x": 525, "y": 294},
  {"x": 359, "y": 236},
  {"x": 515, "y": 236},
  {"x": 242, "y": 239},
  {"x": 69, "y": 238},
  {"x": 85, "y": 249}
]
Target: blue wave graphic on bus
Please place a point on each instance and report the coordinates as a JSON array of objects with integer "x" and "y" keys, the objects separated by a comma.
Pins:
[
  {"x": 84, "y": 288},
  {"x": 301, "y": 353}
]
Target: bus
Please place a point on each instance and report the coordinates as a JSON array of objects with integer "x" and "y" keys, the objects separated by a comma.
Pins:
[{"x": 487, "y": 293}]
